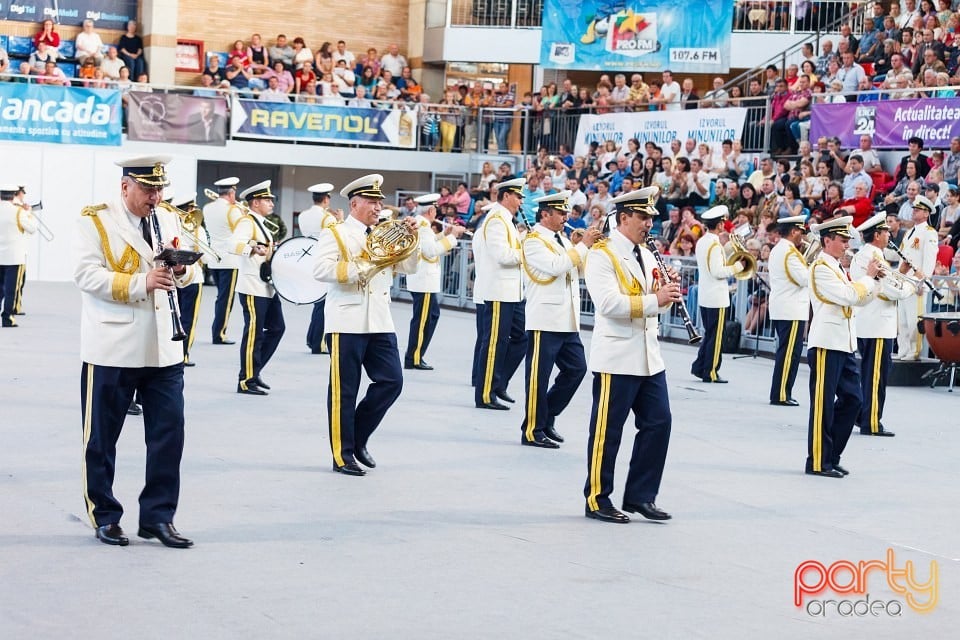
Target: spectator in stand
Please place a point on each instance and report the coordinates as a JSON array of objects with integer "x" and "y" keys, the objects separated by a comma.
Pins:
[
  {"x": 461, "y": 198},
  {"x": 333, "y": 97},
  {"x": 303, "y": 76},
  {"x": 130, "y": 48},
  {"x": 206, "y": 89},
  {"x": 824, "y": 60},
  {"x": 900, "y": 195},
  {"x": 324, "y": 58},
  {"x": 285, "y": 82},
  {"x": 123, "y": 83},
  {"x": 898, "y": 77},
  {"x": 345, "y": 80},
  {"x": 798, "y": 111},
  {"x": 669, "y": 97},
  {"x": 943, "y": 88},
  {"x": 930, "y": 62},
  {"x": 52, "y": 74},
  {"x": 791, "y": 76},
  {"x": 301, "y": 54},
  {"x": 258, "y": 56},
  {"x": 4, "y": 64},
  {"x": 639, "y": 95},
  {"x": 859, "y": 206},
  {"x": 850, "y": 75},
  {"x": 807, "y": 69},
  {"x": 367, "y": 80},
  {"x": 871, "y": 161},
  {"x": 112, "y": 64},
  {"x": 915, "y": 152},
  {"x": 689, "y": 99},
  {"x": 38, "y": 59},
  {"x": 716, "y": 97},
  {"x": 503, "y": 101},
  {"x": 393, "y": 61},
  {"x": 698, "y": 189},
  {"x": 881, "y": 65},
  {"x": 410, "y": 89},
  {"x": 855, "y": 175},
  {"x": 951, "y": 164},
  {"x": 213, "y": 69},
  {"x": 88, "y": 44},
  {"x": 749, "y": 200},
  {"x": 950, "y": 212},
  {"x": 47, "y": 35},
  {"x": 86, "y": 71},
  {"x": 927, "y": 43},
  {"x": 239, "y": 77},
  {"x": 361, "y": 101},
  {"x": 620, "y": 93},
  {"x": 283, "y": 53},
  {"x": 907, "y": 47},
  {"x": 341, "y": 53},
  {"x": 780, "y": 139},
  {"x": 870, "y": 41}
]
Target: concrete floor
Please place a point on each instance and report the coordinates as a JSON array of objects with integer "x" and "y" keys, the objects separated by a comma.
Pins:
[{"x": 459, "y": 532}]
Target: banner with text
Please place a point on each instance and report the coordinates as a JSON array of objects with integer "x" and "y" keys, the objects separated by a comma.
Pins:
[
  {"x": 688, "y": 36},
  {"x": 321, "y": 123},
  {"x": 66, "y": 115},
  {"x": 889, "y": 122},
  {"x": 712, "y": 126},
  {"x": 106, "y": 14},
  {"x": 171, "y": 117}
]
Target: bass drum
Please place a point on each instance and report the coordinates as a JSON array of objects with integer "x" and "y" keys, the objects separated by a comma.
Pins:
[{"x": 292, "y": 271}]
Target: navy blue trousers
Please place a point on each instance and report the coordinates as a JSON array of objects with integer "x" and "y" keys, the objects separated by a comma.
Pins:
[
  {"x": 614, "y": 397},
  {"x": 787, "y": 361},
  {"x": 477, "y": 375},
  {"x": 503, "y": 345},
  {"x": 544, "y": 403},
  {"x": 105, "y": 395},
  {"x": 351, "y": 423},
  {"x": 875, "y": 363},
  {"x": 188, "y": 299},
  {"x": 710, "y": 356},
  {"x": 8, "y": 290},
  {"x": 21, "y": 282},
  {"x": 426, "y": 314},
  {"x": 834, "y": 405},
  {"x": 315, "y": 330},
  {"x": 263, "y": 327},
  {"x": 226, "y": 280}
]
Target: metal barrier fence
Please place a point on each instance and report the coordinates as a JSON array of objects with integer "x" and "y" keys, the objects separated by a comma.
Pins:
[{"x": 798, "y": 16}]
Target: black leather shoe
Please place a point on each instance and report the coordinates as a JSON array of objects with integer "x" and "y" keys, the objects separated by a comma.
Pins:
[
  {"x": 423, "y": 366},
  {"x": 881, "y": 432},
  {"x": 350, "y": 468},
  {"x": 10, "y": 324},
  {"x": 363, "y": 457},
  {"x": 493, "y": 405},
  {"x": 134, "y": 409},
  {"x": 317, "y": 351},
  {"x": 837, "y": 467},
  {"x": 112, "y": 534},
  {"x": 542, "y": 442},
  {"x": 165, "y": 533},
  {"x": 648, "y": 510},
  {"x": 260, "y": 383},
  {"x": 826, "y": 473},
  {"x": 504, "y": 396},
  {"x": 607, "y": 514},
  {"x": 189, "y": 363},
  {"x": 250, "y": 388},
  {"x": 224, "y": 342},
  {"x": 789, "y": 402},
  {"x": 551, "y": 433},
  {"x": 719, "y": 380}
]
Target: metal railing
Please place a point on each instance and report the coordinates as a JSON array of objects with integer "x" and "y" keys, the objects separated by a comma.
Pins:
[
  {"x": 495, "y": 13},
  {"x": 799, "y": 16}
]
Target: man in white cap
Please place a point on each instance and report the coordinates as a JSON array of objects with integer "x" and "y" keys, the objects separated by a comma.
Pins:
[
  {"x": 360, "y": 327},
  {"x": 27, "y": 217},
  {"x": 496, "y": 253},
  {"x": 425, "y": 284},
  {"x": 221, "y": 217},
  {"x": 263, "y": 324},
  {"x": 476, "y": 376},
  {"x": 126, "y": 345},
  {"x": 920, "y": 248},
  {"x": 713, "y": 295},
  {"x": 831, "y": 348},
  {"x": 552, "y": 265},
  {"x": 16, "y": 222},
  {"x": 789, "y": 307},
  {"x": 629, "y": 292},
  {"x": 876, "y": 324},
  {"x": 312, "y": 221}
]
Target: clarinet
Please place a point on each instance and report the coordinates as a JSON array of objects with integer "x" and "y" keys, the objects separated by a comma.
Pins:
[
  {"x": 178, "y": 333},
  {"x": 684, "y": 314},
  {"x": 936, "y": 294}
]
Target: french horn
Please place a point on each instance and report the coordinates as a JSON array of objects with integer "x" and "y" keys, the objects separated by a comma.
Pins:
[{"x": 387, "y": 244}]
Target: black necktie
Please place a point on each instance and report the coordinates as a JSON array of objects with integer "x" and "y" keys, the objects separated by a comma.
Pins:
[
  {"x": 636, "y": 252},
  {"x": 559, "y": 240},
  {"x": 368, "y": 230},
  {"x": 145, "y": 231}
]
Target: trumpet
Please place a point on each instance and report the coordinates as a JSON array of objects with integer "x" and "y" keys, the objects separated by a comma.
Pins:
[
  {"x": 45, "y": 232},
  {"x": 270, "y": 225},
  {"x": 735, "y": 251},
  {"x": 191, "y": 224},
  {"x": 695, "y": 337}
]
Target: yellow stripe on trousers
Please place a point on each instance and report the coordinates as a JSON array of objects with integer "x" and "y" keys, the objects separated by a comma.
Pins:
[
  {"x": 532, "y": 389},
  {"x": 226, "y": 314},
  {"x": 335, "y": 444},
  {"x": 18, "y": 295},
  {"x": 251, "y": 338},
  {"x": 718, "y": 343},
  {"x": 599, "y": 435},
  {"x": 424, "y": 312},
  {"x": 87, "y": 428},
  {"x": 192, "y": 333},
  {"x": 818, "y": 399},
  {"x": 788, "y": 360},
  {"x": 875, "y": 388},
  {"x": 491, "y": 351}
]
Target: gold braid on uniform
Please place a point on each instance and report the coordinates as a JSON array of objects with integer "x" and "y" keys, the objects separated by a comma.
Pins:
[
  {"x": 123, "y": 269},
  {"x": 786, "y": 264},
  {"x": 847, "y": 311},
  {"x": 344, "y": 261},
  {"x": 632, "y": 288},
  {"x": 523, "y": 254},
  {"x": 19, "y": 225}
]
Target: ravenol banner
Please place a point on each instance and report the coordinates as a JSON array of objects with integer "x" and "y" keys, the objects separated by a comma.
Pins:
[
  {"x": 66, "y": 115},
  {"x": 320, "y": 123},
  {"x": 688, "y": 36},
  {"x": 106, "y": 14},
  {"x": 712, "y": 126}
]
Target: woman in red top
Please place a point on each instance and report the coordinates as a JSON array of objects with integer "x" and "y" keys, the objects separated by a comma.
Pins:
[
  {"x": 240, "y": 51},
  {"x": 48, "y": 35},
  {"x": 462, "y": 199}
]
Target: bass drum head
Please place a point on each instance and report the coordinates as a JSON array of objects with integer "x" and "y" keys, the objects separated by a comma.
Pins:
[{"x": 292, "y": 271}]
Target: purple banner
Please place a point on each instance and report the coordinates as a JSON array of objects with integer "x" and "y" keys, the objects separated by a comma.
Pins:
[
  {"x": 889, "y": 122},
  {"x": 171, "y": 117}
]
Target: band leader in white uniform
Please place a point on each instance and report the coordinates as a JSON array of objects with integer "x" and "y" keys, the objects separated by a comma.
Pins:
[
  {"x": 629, "y": 293},
  {"x": 920, "y": 247},
  {"x": 221, "y": 217},
  {"x": 312, "y": 221},
  {"x": 789, "y": 307},
  {"x": 19, "y": 200},
  {"x": 16, "y": 223}
]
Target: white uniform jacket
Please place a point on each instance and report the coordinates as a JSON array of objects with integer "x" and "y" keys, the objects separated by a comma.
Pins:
[
  {"x": 221, "y": 218},
  {"x": 314, "y": 220},
  {"x": 15, "y": 223},
  {"x": 249, "y": 231},
  {"x": 713, "y": 291},
  {"x": 626, "y": 316},
  {"x": 789, "y": 296},
  {"x": 433, "y": 246},
  {"x": 878, "y": 318},
  {"x": 121, "y": 325},
  {"x": 496, "y": 256},
  {"x": 920, "y": 247},
  {"x": 552, "y": 281},
  {"x": 350, "y": 309},
  {"x": 833, "y": 296}
]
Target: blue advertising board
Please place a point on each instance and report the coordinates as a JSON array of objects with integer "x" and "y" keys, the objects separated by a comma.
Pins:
[
  {"x": 688, "y": 36},
  {"x": 106, "y": 14},
  {"x": 64, "y": 115}
]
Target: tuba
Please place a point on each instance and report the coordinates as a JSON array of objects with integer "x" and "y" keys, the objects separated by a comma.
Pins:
[
  {"x": 388, "y": 243},
  {"x": 810, "y": 250},
  {"x": 734, "y": 252}
]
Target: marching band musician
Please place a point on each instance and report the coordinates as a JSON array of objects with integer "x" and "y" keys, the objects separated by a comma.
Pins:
[
  {"x": 19, "y": 200},
  {"x": 496, "y": 253},
  {"x": 920, "y": 248},
  {"x": 714, "y": 295},
  {"x": 263, "y": 324},
  {"x": 476, "y": 373},
  {"x": 312, "y": 222},
  {"x": 126, "y": 346},
  {"x": 221, "y": 217},
  {"x": 189, "y": 295},
  {"x": 831, "y": 345},
  {"x": 876, "y": 324},
  {"x": 552, "y": 265},
  {"x": 16, "y": 222},
  {"x": 629, "y": 293},
  {"x": 359, "y": 327},
  {"x": 789, "y": 307},
  {"x": 425, "y": 284}
]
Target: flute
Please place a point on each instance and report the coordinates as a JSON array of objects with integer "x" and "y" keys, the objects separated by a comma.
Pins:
[
  {"x": 684, "y": 314},
  {"x": 178, "y": 333},
  {"x": 933, "y": 289}
]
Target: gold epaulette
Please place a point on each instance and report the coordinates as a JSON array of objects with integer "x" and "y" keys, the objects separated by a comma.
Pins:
[
  {"x": 124, "y": 268},
  {"x": 93, "y": 209},
  {"x": 631, "y": 286}
]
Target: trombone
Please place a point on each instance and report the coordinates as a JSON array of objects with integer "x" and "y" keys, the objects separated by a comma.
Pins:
[
  {"x": 271, "y": 226},
  {"x": 45, "y": 232},
  {"x": 191, "y": 224}
]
